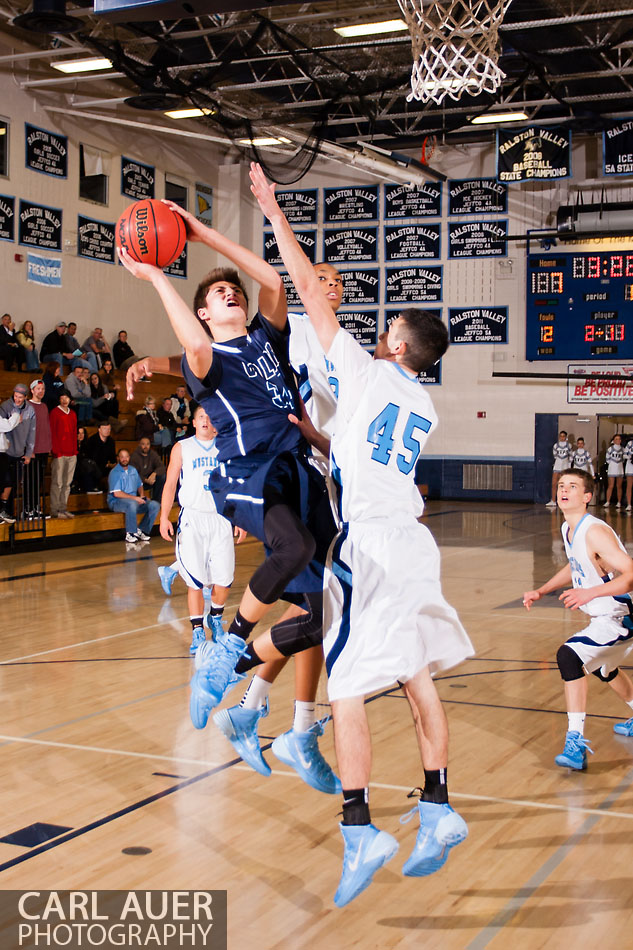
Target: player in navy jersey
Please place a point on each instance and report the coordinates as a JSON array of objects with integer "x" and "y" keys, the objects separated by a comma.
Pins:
[{"x": 264, "y": 482}]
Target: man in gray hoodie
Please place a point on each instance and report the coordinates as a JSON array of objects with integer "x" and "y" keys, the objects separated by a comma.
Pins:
[{"x": 21, "y": 439}]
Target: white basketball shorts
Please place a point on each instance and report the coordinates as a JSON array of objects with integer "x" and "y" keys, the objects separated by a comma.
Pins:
[{"x": 204, "y": 549}]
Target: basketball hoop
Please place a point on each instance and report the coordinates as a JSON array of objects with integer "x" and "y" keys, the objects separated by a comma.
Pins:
[{"x": 454, "y": 47}]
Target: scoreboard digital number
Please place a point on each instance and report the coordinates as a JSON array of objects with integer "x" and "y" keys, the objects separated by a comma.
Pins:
[{"x": 579, "y": 306}]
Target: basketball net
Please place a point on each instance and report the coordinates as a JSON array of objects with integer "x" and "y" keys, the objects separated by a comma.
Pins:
[{"x": 454, "y": 47}]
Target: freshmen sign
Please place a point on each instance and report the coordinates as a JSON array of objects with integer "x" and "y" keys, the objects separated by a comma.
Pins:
[{"x": 533, "y": 154}]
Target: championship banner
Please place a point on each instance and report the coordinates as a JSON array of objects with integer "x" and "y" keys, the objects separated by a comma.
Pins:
[
  {"x": 43, "y": 270},
  {"x": 363, "y": 325},
  {"x": 137, "y": 179},
  {"x": 95, "y": 239},
  {"x": 477, "y": 239},
  {"x": 597, "y": 389},
  {"x": 292, "y": 297},
  {"x": 306, "y": 239},
  {"x": 533, "y": 154},
  {"x": 7, "y": 218},
  {"x": 204, "y": 203},
  {"x": 351, "y": 204},
  {"x": 478, "y": 324},
  {"x": 413, "y": 284},
  {"x": 421, "y": 201},
  {"x": 40, "y": 226},
  {"x": 46, "y": 152},
  {"x": 355, "y": 244},
  {"x": 178, "y": 268},
  {"x": 433, "y": 375},
  {"x": 299, "y": 207},
  {"x": 617, "y": 148},
  {"x": 477, "y": 196},
  {"x": 361, "y": 287},
  {"x": 408, "y": 242}
]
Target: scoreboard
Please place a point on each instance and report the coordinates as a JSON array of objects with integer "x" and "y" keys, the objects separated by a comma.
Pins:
[{"x": 579, "y": 306}]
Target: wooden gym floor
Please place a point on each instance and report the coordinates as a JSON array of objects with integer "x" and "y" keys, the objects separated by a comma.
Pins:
[{"x": 96, "y": 740}]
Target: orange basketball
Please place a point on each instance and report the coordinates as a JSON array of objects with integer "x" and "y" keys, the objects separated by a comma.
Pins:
[{"x": 151, "y": 232}]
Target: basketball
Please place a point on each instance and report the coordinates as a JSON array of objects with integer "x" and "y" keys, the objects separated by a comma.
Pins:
[{"x": 151, "y": 232}]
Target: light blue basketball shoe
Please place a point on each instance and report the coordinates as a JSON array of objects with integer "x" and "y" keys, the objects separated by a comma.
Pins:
[
  {"x": 574, "y": 755},
  {"x": 215, "y": 675},
  {"x": 167, "y": 576},
  {"x": 239, "y": 725},
  {"x": 366, "y": 849},
  {"x": 440, "y": 829},
  {"x": 301, "y": 751}
]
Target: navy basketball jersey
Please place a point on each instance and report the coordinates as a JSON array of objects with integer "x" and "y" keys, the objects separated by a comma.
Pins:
[{"x": 248, "y": 393}]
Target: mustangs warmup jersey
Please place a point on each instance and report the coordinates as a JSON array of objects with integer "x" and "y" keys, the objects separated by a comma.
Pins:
[
  {"x": 384, "y": 418},
  {"x": 584, "y": 572},
  {"x": 198, "y": 459},
  {"x": 248, "y": 393}
]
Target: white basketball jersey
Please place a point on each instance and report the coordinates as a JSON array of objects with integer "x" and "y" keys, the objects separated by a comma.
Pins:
[
  {"x": 383, "y": 419},
  {"x": 318, "y": 379},
  {"x": 584, "y": 572},
  {"x": 198, "y": 459}
]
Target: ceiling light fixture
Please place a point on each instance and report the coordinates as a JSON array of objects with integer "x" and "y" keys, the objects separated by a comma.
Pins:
[
  {"x": 82, "y": 65},
  {"x": 492, "y": 118},
  {"x": 261, "y": 142},
  {"x": 371, "y": 29},
  {"x": 188, "y": 113}
]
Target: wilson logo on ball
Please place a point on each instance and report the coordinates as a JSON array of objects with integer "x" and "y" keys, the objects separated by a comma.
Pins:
[{"x": 151, "y": 232}]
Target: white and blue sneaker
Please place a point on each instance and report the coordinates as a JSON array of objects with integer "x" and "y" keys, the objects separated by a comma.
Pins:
[
  {"x": 167, "y": 576},
  {"x": 197, "y": 638},
  {"x": 440, "y": 829},
  {"x": 239, "y": 725},
  {"x": 300, "y": 750},
  {"x": 366, "y": 850},
  {"x": 624, "y": 728},
  {"x": 574, "y": 755},
  {"x": 214, "y": 623},
  {"x": 215, "y": 675}
]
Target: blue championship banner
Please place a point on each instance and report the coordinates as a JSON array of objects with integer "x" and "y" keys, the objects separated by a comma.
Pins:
[
  {"x": 421, "y": 201},
  {"x": 39, "y": 226},
  {"x": 351, "y": 204},
  {"x": 292, "y": 297},
  {"x": 478, "y": 324},
  {"x": 306, "y": 239},
  {"x": 408, "y": 242},
  {"x": 137, "y": 179},
  {"x": 178, "y": 268},
  {"x": 617, "y": 148},
  {"x": 354, "y": 244},
  {"x": 477, "y": 238},
  {"x": 477, "y": 196},
  {"x": 299, "y": 207},
  {"x": 413, "y": 284},
  {"x": 362, "y": 324},
  {"x": 7, "y": 218},
  {"x": 95, "y": 239},
  {"x": 433, "y": 375},
  {"x": 43, "y": 270},
  {"x": 361, "y": 287},
  {"x": 533, "y": 154},
  {"x": 46, "y": 152}
]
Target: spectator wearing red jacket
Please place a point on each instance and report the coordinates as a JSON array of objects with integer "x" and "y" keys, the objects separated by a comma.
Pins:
[{"x": 64, "y": 450}]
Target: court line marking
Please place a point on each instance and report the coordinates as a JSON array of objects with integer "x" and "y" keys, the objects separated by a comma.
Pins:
[{"x": 184, "y": 760}]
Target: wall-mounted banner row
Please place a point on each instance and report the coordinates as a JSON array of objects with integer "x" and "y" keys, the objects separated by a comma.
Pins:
[
  {"x": 617, "y": 148},
  {"x": 433, "y": 375},
  {"x": 7, "y": 218},
  {"x": 95, "y": 239},
  {"x": 413, "y": 284},
  {"x": 46, "y": 152},
  {"x": 534, "y": 153},
  {"x": 306, "y": 239},
  {"x": 477, "y": 196},
  {"x": 40, "y": 226},
  {"x": 137, "y": 179},
  {"x": 478, "y": 324},
  {"x": 410, "y": 242},
  {"x": 421, "y": 201},
  {"x": 477, "y": 238},
  {"x": 351, "y": 204},
  {"x": 362, "y": 324}
]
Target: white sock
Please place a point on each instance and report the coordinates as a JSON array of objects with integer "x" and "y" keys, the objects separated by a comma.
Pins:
[
  {"x": 576, "y": 722},
  {"x": 256, "y": 693},
  {"x": 305, "y": 716},
  {"x": 630, "y": 704}
]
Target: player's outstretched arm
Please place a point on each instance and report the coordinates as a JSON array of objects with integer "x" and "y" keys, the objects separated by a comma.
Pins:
[
  {"x": 297, "y": 264},
  {"x": 192, "y": 337},
  {"x": 169, "y": 492},
  {"x": 602, "y": 544},
  {"x": 167, "y": 365},
  {"x": 560, "y": 579},
  {"x": 272, "y": 295}
]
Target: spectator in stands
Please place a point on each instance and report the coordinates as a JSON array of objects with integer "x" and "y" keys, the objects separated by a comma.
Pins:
[
  {"x": 37, "y": 468},
  {"x": 6, "y": 425},
  {"x": 53, "y": 384},
  {"x": 122, "y": 353},
  {"x": 79, "y": 390},
  {"x": 101, "y": 449},
  {"x": 150, "y": 467},
  {"x": 107, "y": 375},
  {"x": 126, "y": 494},
  {"x": 149, "y": 426},
  {"x": 21, "y": 440},
  {"x": 79, "y": 356},
  {"x": 180, "y": 408},
  {"x": 10, "y": 350},
  {"x": 54, "y": 346},
  {"x": 168, "y": 422},
  {"x": 26, "y": 338},
  {"x": 96, "y": 344},
  {"x": 87, "y": 475},
  {"x": 64, "y": 449},
  {"x": 105, "y": 405}
]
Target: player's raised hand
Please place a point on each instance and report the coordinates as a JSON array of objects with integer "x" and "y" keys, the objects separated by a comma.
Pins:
[
  {"x": 136, "y": 268},
  {"x": 529, "y": 597},
  {"x": 263, "y": 190},
  {"x": 196, "y": 230},
  {"x": 139, "y": 370}
]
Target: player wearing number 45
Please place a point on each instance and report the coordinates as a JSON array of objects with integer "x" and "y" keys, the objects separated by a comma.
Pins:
[
  {"x": 383, "y": 623},
  {"x": 596, "y": 555}
]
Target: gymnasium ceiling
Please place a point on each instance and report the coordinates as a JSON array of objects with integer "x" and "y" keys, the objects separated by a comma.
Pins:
[{"x": 567, "y": 62}]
